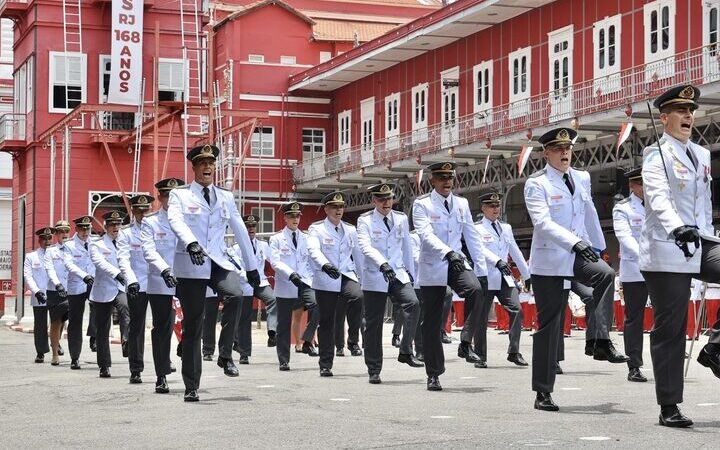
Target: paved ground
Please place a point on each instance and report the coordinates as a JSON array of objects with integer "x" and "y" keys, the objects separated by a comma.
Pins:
[{"x": 44, "y": 406}]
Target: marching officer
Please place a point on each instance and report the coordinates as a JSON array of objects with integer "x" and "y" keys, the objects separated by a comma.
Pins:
[
  {"x": 290, "y": 258},
  {"x": 57, "y": 303},
  {"x": 158, "y": 247},
  {"x": 442, "y": 219},
  {"x": 628, "y": 219},
  {"x": 384, "y": 239},
  {"x": 134, "y": 267},
  {"x": 36, "y": 280},
  {"x": 199, "y": 214},
  {"x": 499, "y": 241},
  {"x": 81, "y": 275},
  {"x": 108, "y": 290},
  {"x": 678, "y": 207},
  {"x": 243, "y": 337},
  {"x": 566, "y": 229},
  {"x": 334, "y": 250}
]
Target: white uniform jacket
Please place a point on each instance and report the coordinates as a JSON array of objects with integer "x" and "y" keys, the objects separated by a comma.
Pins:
[
  {"x": 193, "y": 220},
  {"x": 78, "y": 265},
  {"x": 415, "y": 241},
  {"x": 131, "y": 258},
  {"x": 683, "y": 199},
  {"x": 339, "y": 248},
  {"x": 262, "y": 254},
  {"x": 286, "y": 259},
  {"x": 560, "y": 220},
  {"x": 500, "y": 246},
  {"x": 440, "y": 232},
  {"x": 233, "y": 254},
  {"x": 55, "y": 266},
  {"x": 380, "y": 246},
  {"x": 628, "y": 219},
  {"x": 104, "y": 255},
  {"x": 36, "y": 277},
  {"x": 158, "y": 247}
]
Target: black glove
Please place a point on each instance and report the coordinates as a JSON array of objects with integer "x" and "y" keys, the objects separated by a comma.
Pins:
[
  {"x": 686, "y": 233},
  {"x": 169, "y": 278},
  {"x": 133, "y": 290},
  {"x": 196, "y": 253},
  {"x": 120, "y": 279},
  {"x": 528, "y": 284},
  {"x": 295, "y": 279},
  {"x": 60, "y": 289},
  {"x": 585, "y": 251},
  {"x": 503, "y": 267},
  {"x": 388, "y": 272},
  {"x": 89, "y": 280},
  {"x": 253, "y": 277},
  {"x": 456, "y": 261},
  {"x": 331, "y": 271},
  {"x": 40, "y": 296}
]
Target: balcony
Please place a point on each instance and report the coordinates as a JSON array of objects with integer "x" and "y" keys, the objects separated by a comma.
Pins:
[
  {"x": 12, "y": 132},
  {"x": 13, "y": 9},
  {"x": 597, "y": 104}
]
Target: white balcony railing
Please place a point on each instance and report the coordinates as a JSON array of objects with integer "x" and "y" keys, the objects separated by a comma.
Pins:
[
  {"x": 698, "y": 66},
  {"x": 12, "y": 127}
]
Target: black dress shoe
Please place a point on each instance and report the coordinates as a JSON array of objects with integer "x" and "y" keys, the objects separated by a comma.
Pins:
[
  {"x": 419, "y": 356},
  {"x": 396, "y": 340},
  {"x": 309, "y": 350},
  {"x": 325, "y": 372},
  {"x": 228, "y": 367},
  {"x": 124, "y": 346},
  {"x": 605, "y": 351},
  {"x": 374, "y": 378},
  {"x": 284, "y": 367},
  {"x": 446, "y": 339},
  {"x": 670, "y": 416},
  {"x": 244, "y": 359},
  {"x": 207, "y": 357},
  {"x": 40, "y": 358},
  {"x": 710, "y": 359},
  {"x": 191, "y": 395},
  {"x": 410, "y": 360},
  {"x": 135, "y": 378},
  {"x": 172, "y": 368},
  {"x": 517, "y": 359},
  {"x": 340, "y": 351},
  {"x": 465, "y": 351},
  {"x": 74, "y": 364},
  {"x": 161, "y": 386},
  {"x": 482, "y": 364},
  {"x": 433, "y": 384},
  {"x": 544, "y": 402},
  {"x": 298, "y": 349},
  {"x": 55, "y": 363},
  {"x": 558, "y": 369},
  {"x": 104, "y": 372},
  {"x": 590, "y": 347},
  {"x": 272, "y": 341},
  {"x": 355, "y": 349},
  {"x": 61, "y": 352},
  {"x": 93, "y": 345},
  {"x": 635, "y": 375}
]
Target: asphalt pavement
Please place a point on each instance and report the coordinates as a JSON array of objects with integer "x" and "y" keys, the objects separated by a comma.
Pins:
[{"x": 54, "y": 407}]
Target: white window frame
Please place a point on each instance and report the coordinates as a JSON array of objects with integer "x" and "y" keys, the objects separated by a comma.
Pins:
[
  {"x": 314, "y": 152},
  {"x": 606, "y": 75},
  {"x": 178, "y": 88},
  {"x": 53, "y": 78},
  {"x": 517, "y": 92},
  {"x": 419, "y": 112},
  {"x": 482, "y": 95},
  {"x": 287, "y": 60},
  {"x": 261, "y": 141},
  {"x": 344, "y": 130},
  {"x": 657, "y": 7},
  {"x": 256, "y": 59},
  {"x": 265, "y": 224},
  {"x": 325, "y": 56},
  {"x": 392, "y": 117},
  {"x": 711, "y": 40},
  {"x": 561, "y": 101}
]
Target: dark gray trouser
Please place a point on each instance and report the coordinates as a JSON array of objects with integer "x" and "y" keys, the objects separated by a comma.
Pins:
[
  {"x": 136, "y": 336},
  {"x": 163, "y": 320},
  {"x": 285, "y": 307},
  {"x": 350, "y": 306},
  {"x": 212, "y": 305},
  {"x": 40, "y": 329},
  {"x": 403, "y": 296},
  {"x": 191, "y": 293},
  {"x": 91, "y": 322},
  {"x": 103, "y": 323},
  {"x": 329, "y": 304},
  {"x": 123, "y": 311},
  {"x": 243, "y": 333},
  {"x": 509, "y": 299},
  {"x": 76, "y": 311},
  {"x": 598, "y": 311},
  {"x": 474, "y": 305},
  {"x": 467, "y": 285},
  {"x": 267, "y": 296},
  {"x": 397, "y": 318},
  {"x": 599, "y": 320},
  {"x": 635, "y": 294}
]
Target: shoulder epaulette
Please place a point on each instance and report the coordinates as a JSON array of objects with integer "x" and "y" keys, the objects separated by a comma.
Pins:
[
  {"x": 151, "y": 214},
  {"x": 223, "y": 188},
  {"x": 184, "y": 186},
  {"x": 347, "y": 223},
  {"x": 317, "y": 222},
  {"x": 539, "y": 173},
  {"x": 366, "y": 213},
  {"x": 125, "y": 227},
  {"x": 422, "y": 196},
  {"x": 625, "y": 200},
  {"x": 304, "y": 231},
  {"x": 401, "y": 213}
]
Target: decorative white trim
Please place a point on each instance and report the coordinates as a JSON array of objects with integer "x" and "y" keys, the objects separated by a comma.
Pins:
[
  {"x": 301, "y": 115},
  {"x": 289, "y": 99}
]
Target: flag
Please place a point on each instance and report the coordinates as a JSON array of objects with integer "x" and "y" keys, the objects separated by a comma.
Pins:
[
  {"x": 523, "y": 158},
  {"x": 624, "y": 133},
  {"x": 487, "y": 161}
]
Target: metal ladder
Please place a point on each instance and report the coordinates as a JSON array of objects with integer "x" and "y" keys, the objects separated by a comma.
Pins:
[
  {"x": 219, "y": 141},
  {"x": 72, "y": 40},
  {"x": 191, "y": 52},
  {"x": 138, "y": 139}
]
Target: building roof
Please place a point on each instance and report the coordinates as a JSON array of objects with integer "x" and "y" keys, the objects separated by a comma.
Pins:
[
  {"x": 241, "y": 10},
  {"x": 342, "y": 30}
]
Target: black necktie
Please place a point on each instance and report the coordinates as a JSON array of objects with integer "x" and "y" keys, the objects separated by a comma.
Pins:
[
  {"x": 494, "y": 225},
  {"x": 690, "y": 155},
  {"x": 114, "y": 243},
  {"x": 253, "y": 245},
  {"x": 447, "y": 206},
  {"x": 86, "y": 246},
  {"x": 206, "y": 194},
  {"x": 642, "y": 202},
  {"x": 337, "y": 229},
  {"x": 569, "y": 183},
  {"x": 294, "y": 237},
  {"x": 387, "y": 223}
]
